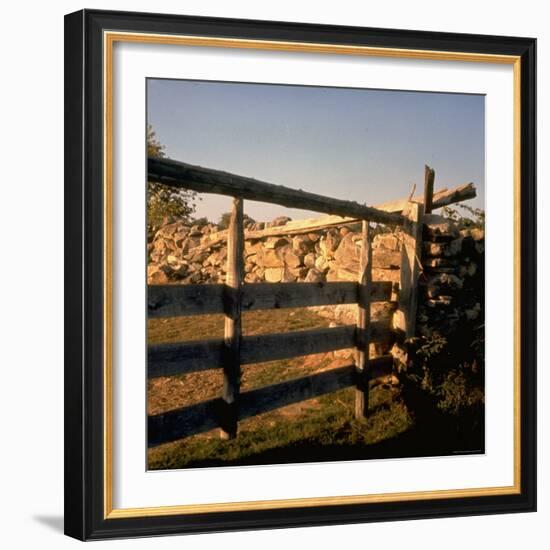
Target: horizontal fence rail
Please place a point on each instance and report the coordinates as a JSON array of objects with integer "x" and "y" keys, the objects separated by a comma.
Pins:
[
  {"x": 206, "y": 180},
  {"x": 186, "y": 300},
  {"x": 207, "y": 415},
  {"x": 444, "y": 197},
  {"x": 186, "y": 357},
  {"x": 233, "y": 298}
]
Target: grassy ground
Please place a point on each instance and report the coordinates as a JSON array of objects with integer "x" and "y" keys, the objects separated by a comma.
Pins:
[{"x": 402, "y": 422}]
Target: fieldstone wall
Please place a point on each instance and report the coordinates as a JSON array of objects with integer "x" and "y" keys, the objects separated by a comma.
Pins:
[
  {"x": 197, "y": 254},
  {"x": 451, "y": 285}
]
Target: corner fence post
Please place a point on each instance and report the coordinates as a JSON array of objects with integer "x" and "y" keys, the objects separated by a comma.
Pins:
[
  {"x": 364, "y": 289},
  {"x": 411, "y": 258},
  {"x": 232, "y": 328},
  {"x": 429, "y": 176}
]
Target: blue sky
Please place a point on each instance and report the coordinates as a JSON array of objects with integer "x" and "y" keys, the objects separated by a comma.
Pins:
[{"x": 357, "y": 144}]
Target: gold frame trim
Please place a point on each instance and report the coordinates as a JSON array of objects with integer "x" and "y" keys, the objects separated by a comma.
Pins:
[{"x": 109, "y": 39}]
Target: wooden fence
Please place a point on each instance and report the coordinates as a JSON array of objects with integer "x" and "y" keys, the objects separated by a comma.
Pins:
[{"x": 235, "y": 297}]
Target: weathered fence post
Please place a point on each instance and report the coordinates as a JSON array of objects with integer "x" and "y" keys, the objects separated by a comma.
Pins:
[
  {"x": 232, "y": 329},
  {"x": 429, "y": 176},
  {"x": 411, "y": 257},
  {"x": 363, "y": 324}
]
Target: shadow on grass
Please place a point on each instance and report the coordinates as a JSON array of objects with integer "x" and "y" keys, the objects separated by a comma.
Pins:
[{"x": 433, "y": 433}]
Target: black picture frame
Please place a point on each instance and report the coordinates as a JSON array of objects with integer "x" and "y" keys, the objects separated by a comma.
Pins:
[{"x": 85, "y": 516}]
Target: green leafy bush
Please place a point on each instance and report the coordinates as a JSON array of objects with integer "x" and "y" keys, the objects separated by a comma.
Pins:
[{"x": 163, "y": 201}]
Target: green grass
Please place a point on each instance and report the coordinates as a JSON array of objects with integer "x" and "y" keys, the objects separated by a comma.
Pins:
[
  {"x": 402, "y": 421},
  {"x": 174, "y": 329},
  {"x": 326, "y": 431}
]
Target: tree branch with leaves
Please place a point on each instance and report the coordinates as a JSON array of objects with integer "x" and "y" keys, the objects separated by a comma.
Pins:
[{"x": 163, "y": 201}]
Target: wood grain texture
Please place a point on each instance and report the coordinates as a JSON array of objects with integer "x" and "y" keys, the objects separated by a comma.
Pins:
[
  {"x": 181, "y": 358},
  {"x": 363, "y": 324},
  {"x": 186, "y": 300},
  {"x": 443, "y": 197},
  {"x": 206, "y": 180},
  {"x": 429, "y": 176},
  {"x": 233, "y": 325},
  {"x": 411, "y": 257}
]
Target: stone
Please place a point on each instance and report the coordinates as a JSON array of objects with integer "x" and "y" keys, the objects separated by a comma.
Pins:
[
  {"x": 392, "y": 275},
  {"x": 179, "y": 241},
  {"x": 252, "y": 278},
  {"x": 152, "y": 268},
  {"x": 199, "y": 257},
  {"x": 181, "y": 270},
  {"x": 188, "y": 244},
  {"x": 439, "y": 225},
  {"x": 275, "y": 242},
  {"x": 330, "y": 243},
  {"x": 288, "y": 276},
  {"x": 273, "y": 274},
  {"x": 302, "y": 244},
  {"x": 452, "y": 248},
  {"x": 168, "y": 230},
  {"x": 314, "y": 237},
  {"x": 469, "y": 269},
  {"x": 157, "y": 278},
  {"x": 451, "y": 265},
  {"x": 477, "y": 234},
  {"x": 442, "y": 283},
  {"x": 194, "y": 278},
  {"x": 159, "y": 245},
  {"x": 298, "y": 272},
  {"x": 439, "y": 262},
  {"x": 181, "y": 233},
  {"x": 342, "y": 274},
  {"x": 156, "y": 256},
  {"x": 448, "y": 280},
  {"x": 290, "y": 258},
  {"x": 473, "y": 313},
  {"x": 443, "y": 270},
  {"x": 347, "y": 253},
  {"x": 389, "y": 241},
  {"x": 217, "y": 257},
  {"x": 321, "y": 263},
  {"x": 252, "y": 247},
  {"x": 345, "y": 314},
  {"x": 440, "y": 301},
  {"x": 281, "y": 220},
  {"x": 309, "y": 260},
  {"x": 268, "y": 258},
  {"x": 386, "y": 259},
  {"x": 314, "y": 276}
]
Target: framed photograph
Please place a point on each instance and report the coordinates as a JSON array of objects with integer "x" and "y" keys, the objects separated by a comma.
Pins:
[{"x": 300, "y": 274}]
